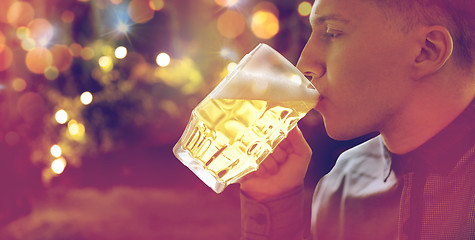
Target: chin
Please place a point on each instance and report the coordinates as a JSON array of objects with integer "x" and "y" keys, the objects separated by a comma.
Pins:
[{"x": 341, "y": 133}]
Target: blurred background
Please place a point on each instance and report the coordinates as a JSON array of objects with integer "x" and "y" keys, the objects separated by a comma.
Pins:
[{"x": 95, "y": 93}]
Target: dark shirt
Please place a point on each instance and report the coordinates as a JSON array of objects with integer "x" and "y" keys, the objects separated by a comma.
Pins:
[{"x": 428, "y": 193}]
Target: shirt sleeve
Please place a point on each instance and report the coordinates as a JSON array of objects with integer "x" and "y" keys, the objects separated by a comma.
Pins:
[{"x": 279, "y": 218}]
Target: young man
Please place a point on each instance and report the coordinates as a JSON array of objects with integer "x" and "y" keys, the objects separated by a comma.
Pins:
[{"x": 406, "y": 70}]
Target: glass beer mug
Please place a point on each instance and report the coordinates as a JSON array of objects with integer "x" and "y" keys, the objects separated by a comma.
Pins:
[{"x": 244, "y": 118}]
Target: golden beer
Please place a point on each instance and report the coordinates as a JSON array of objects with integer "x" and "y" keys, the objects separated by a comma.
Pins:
[
  {"x": 231, "y": 137},
  {"x": 244, "y": 118}
]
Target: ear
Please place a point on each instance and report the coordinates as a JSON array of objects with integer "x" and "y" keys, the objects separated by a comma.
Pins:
[{"x": 436, "y": 47}]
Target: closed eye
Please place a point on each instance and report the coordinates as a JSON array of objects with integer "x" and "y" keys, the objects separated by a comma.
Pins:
[{"x": 331, "y": 34}]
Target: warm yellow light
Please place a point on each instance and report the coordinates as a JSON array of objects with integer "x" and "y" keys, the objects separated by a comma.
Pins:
[
  {"x": 231, "y": 66},
  {"x": 163, "y": 59},
  {"x": 61, "y": 116},
  {"x": 76, "y": 129},
  {"x": 38, "y": 59},
  {"x": 73, "y": 128},
  {"x": 19, "y": 84},
  {"x": 22, "y": 32},
  {"x": 106, "y": 63},
  {"x": 58, "y": 165},
  {"x": 20, "y": 13},
  {"x": 86, "y": 98},
  {"x": 156, "y": 5},
  {"x": 28, "y": 44},
  {"x": 120, "y": 52},
  {"x": 231, "y": 24},
  {"x": 304, "y": 8},
  {"x": 56, "y": 151},
  {"x": 51, "y": 73},
  {"x": 264, "y": 24}
]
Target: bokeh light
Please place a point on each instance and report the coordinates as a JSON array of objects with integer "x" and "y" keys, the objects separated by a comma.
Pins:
[
  {"x": 22, "y": 32},
  {"x": 20, "y": 13},
  {"x": 62, "y": 57},
  {"x": 163, "y": 59},
  {"x": 230, "y": 24},
  {"x": 67, "y": 16},
  {"x": 106, "y": 64},
  {"x": 120, "y": 52},
  {"x": 122, "y": 27},
  {"x": 156, "y": 5},
  {"x": 228, "y": 53},
  {"x": 87, "y": 53},
  {"x": 38, "y": 59},
  {"x": 226, "y": 3},
  {"x": 6, "y": 58},
  {"x": 86, "y": 98},
  {"x": 140, "y": 11},
  {"x": 41, "y": 31},
  {"x": 51, "y": 73},
  {"x": 61, "y": 116},
  {"x": 28, "y": 44},
  {"x": 231, "y": 66},
  {"x": 3, "y": 39},
  {"x": 76, "y": 130},
  {"x": 19, "y": 84},
  {"x": 58, "y": 165},
  {"x": 75, "y": 49},
  {"x": 264, "y": 24},
  {"x": 56, "y": 151},
  {"x": 4, "y": 7},
  {"x": 304, "y": 9}
]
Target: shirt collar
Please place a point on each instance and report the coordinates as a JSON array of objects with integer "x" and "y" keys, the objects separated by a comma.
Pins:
[{"x": 441, "y": 153}]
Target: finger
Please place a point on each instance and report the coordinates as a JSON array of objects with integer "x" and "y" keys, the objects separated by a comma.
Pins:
[
  {"x": 270, "y": 165},
  {"x": 261, "y": 172},
  {"x": 280, "y": 155}
]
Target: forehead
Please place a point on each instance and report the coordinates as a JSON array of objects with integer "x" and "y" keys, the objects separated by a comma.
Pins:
[{"x": 349, "y": 10}]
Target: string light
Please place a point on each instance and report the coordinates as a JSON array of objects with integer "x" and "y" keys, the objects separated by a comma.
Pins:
[
  {"x": 61, "y": 116},
  {"x": 122, "y": 28},
  {"x": 106, "y": 63},
  {"x": 58, "y": 165},
  {"x": 86, "y": 98},
  {"x": 120, "y": 52},
  {"x": 163, "y": 59},
  {"x": 56, "y": 151}
]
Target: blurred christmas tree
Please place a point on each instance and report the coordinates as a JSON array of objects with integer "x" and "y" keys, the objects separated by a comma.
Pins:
[{"x": 80, "y": 77}]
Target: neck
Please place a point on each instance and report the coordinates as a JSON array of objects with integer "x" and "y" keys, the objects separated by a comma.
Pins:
[{"x": 430, "y": 110}]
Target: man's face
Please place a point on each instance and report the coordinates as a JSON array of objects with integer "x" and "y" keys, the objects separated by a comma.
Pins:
[{"x": 360, "y": 65}]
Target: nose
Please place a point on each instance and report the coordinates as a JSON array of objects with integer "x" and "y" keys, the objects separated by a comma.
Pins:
[{"x": 311, "y": 62}]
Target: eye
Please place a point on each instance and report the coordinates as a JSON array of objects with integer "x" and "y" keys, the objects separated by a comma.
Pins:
[{"x": 331, "y": 33}]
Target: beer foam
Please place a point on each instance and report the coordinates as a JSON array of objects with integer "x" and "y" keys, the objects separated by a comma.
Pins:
[{"x": 265, "y": 86}]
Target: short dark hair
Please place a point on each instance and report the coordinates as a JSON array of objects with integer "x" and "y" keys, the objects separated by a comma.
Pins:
[{"x": 458, "y": 16}]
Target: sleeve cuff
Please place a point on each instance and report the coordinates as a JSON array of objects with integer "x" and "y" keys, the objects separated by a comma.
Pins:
[{"x": 281, "y": 217}]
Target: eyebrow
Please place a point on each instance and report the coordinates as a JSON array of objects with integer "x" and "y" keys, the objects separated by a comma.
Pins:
[{"x": 330, "y": 17}]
